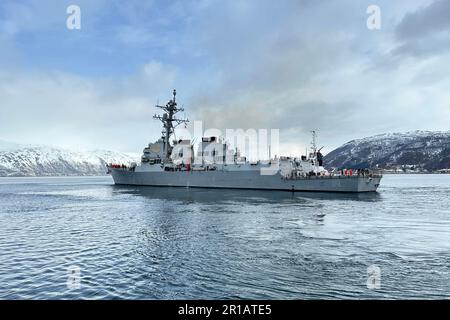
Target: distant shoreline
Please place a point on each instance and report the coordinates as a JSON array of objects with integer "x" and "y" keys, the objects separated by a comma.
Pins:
[
  {"x": 415, "y": 172},
  {"x": 61, "y": 176}
]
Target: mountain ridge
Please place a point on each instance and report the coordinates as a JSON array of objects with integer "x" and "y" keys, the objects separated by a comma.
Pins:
[
  {"x": 43, "y": 160},
  {"x": 420, "y": 150}
]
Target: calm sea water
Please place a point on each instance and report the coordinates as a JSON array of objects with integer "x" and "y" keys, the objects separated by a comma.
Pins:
[{"x": 169, "y": 243}]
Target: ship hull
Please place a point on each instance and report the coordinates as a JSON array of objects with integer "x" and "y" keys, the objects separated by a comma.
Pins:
[{"x": 245, "y": 180}]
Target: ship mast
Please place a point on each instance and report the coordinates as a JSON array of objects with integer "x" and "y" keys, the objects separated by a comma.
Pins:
[
  {"x": 168, "y": 120},
  {"x": 314, "y": 149}
]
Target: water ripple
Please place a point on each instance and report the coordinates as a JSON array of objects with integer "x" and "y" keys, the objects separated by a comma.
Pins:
[{"x": 164, "y": 243}]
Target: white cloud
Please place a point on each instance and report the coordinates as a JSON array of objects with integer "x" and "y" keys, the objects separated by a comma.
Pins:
[
  {"x": 298, "y": 66},
  {"x": 66, "y": 110},
  {"x": 317, "y": 67}
]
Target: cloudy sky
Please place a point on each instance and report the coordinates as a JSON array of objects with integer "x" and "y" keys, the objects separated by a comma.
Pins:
[{"x": 291, "y": 65}]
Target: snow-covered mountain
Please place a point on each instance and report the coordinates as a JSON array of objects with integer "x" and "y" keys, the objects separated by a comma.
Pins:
[
  {"x": 420, "y": 149},
  {"x": 40, "y": 160}
]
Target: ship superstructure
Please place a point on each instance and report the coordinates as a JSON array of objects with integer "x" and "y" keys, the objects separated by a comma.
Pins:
[{"x": 216, "y": 165}]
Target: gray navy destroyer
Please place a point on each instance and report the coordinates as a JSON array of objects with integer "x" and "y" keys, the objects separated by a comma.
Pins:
[{"x": 167, "y": 163}]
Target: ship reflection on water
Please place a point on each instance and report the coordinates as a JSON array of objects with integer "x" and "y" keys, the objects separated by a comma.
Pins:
[{"x": 208, "y": 195}]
